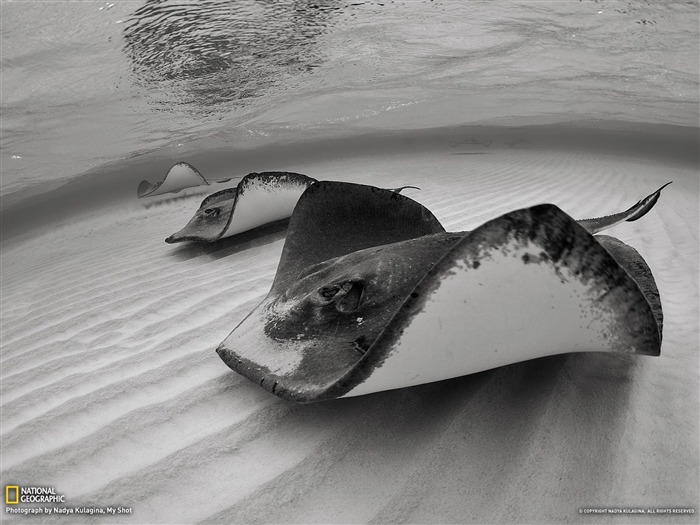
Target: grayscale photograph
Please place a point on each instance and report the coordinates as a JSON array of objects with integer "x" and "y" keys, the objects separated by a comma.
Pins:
[{"x": 350, "y": 262}]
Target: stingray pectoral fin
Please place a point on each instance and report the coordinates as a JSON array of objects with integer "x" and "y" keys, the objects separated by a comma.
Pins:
[
  {"x": 637, "y": 268},
  {"x": 265, "y": 197},
  {"x": 529, "y": 284},
  {"x": 637, "y": 211},
  {"x": 337, "y": 218},
  {"x": 219, "y": 196},
  {"x": 182, "y": 175}
]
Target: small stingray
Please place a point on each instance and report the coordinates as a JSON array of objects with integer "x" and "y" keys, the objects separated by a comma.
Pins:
[
  {"x": 259, "y": 198},
  {"x": 371, "y": 294},
  {"x": 182, "y": 175}
]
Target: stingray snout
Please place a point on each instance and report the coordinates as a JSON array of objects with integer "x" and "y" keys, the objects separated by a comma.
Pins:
[{"x": 175, "y": 237}]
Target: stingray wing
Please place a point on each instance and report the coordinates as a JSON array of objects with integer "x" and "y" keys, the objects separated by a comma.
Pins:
[
  {"x": 349, "y": 315},
  {"x": 529, "y": 284},
  {"x": 265, "y": 197},
  {"x": 337, "y": 218},
  {"x": 635, "y": 265},
  {"x": 182, "y": 175},
  {"x": 219, "y": 196}
]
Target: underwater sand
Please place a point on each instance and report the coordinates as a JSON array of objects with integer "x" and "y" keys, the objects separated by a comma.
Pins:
[{"x": 113, "y": 394}]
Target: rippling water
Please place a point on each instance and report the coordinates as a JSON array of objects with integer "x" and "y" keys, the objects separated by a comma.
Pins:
[
  {"x": 86, "y": 84},
  {"x": 204, "y": 57}
]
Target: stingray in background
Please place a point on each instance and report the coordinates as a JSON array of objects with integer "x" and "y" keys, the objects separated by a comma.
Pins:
[
  {"x": 181, "y": 176},
  {"x": 269, "y": 197},
  {"x": 371, "y": 293},
  {"x": 258, "y": 199}
]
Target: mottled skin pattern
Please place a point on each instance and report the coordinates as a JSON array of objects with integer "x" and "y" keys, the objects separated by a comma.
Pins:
[{"x": 349, "y": 301}]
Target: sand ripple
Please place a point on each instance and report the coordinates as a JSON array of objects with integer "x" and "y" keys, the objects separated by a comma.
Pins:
[{"x": 112, "y": 392}]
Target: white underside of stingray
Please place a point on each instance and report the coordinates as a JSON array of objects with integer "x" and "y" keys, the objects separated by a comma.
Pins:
[
  {"x": 263, "y": 204},
  {"x": 507, "y": 311},
  {"x": 181, "y": 176},
  {"x": 384, "y": 298}
]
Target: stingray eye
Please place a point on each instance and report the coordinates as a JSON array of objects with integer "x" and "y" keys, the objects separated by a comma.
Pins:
[
  {"x": 346, "y": 297},
  {"x": 211, "y": 212}
]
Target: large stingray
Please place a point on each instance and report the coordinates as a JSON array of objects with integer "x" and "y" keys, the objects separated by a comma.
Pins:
[{"x": 371, "y": 293}]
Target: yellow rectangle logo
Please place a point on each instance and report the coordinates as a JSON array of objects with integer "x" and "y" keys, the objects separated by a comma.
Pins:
[{"x": 8, "y": 499}]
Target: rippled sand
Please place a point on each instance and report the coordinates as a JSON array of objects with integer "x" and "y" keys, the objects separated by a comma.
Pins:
[{"x": 113, "y": 394}]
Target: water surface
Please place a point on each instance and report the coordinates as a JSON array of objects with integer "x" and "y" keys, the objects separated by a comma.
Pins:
[{"x": 88, "y": 84}]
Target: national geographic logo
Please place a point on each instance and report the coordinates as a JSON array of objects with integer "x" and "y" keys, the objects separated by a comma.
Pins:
[
  {"x": 14, "y": 495},
  {"x": 11, "y": 494}
]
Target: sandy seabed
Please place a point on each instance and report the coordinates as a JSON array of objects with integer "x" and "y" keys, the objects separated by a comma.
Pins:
[{"x": 112, "y": 392}]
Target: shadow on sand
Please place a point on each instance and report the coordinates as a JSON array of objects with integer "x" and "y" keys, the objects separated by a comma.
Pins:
[{"x": 260, "y": 236}]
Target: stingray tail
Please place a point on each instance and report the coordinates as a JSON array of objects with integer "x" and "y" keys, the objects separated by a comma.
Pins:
[
  {"x": 639, "y": 210},
  {"x": 401, "y": 188}
]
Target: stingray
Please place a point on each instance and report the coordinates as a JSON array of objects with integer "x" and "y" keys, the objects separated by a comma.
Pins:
[
  {"x": 372, "y": 294},
  {"x": 182, "y": 175},
  {"x": 259, "y": 199}
]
